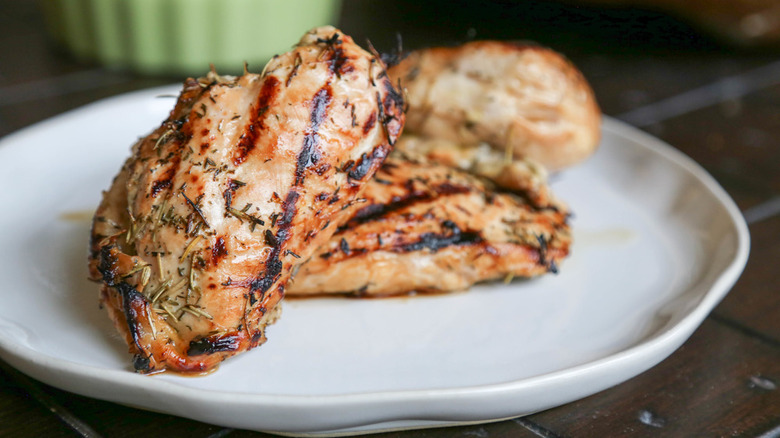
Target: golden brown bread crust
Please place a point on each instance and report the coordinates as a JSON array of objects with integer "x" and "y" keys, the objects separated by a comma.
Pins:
[
  {"x": 197, "y": 237},
  {"x": 428, "y": 227},
  {"x": 522, "y": 97}
]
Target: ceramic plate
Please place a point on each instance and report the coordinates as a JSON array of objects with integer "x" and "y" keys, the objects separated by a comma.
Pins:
[{"x": 657, "y": 244}]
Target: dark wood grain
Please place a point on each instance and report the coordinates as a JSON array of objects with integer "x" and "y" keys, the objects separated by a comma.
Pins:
[
  {"x": 21, "y": 415},
  {"x": 718, "y": 384},
  {"x": 754, "y": 302},
  {"x": 735, "y": 140},
  {"x": 717, "y": 105}
]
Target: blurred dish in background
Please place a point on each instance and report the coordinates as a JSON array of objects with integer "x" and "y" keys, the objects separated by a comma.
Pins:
[
  {"x": 182, "y": 37},
  {"x": 744, "y": 23}
]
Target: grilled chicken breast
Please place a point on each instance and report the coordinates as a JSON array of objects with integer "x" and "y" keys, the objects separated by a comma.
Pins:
[
  {"x": 428, "y": 227},
  {"x": 523, "y": 99},
  {"x": 197, "y": 237}
]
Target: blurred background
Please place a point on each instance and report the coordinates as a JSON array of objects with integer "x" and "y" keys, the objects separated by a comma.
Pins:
[{"x": 65, "y": 51}]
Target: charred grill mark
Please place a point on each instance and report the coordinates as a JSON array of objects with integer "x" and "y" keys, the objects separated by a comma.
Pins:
[
  {"x": 310, "y": 155},
  {"x": 384, "y": 182},
  {"x": 160, "y": 185},
  {"x": 390, "y": 111},
  {"x": 288, "y": 210},
  {"x": 248, "y": 139},
  {"x": 338, "y": 63},
  {"x": 435, "y": 241},
  {"x": 273, "y": 266},
  {"x": 107, "y": 264},
  {"x": 375, "y": 211},
  {"x": 367, "y": 162},
  {"x": 166, "y": 179},
  {"x": 134, "y": 304},
  {"x": 218, "y": 251},
  {"x": 214, "y": 344},
  {"x": 450, "y": 236},
  {"x": 369, "y": 123},
  {"x": 543, "y": 250},
  {"x": 360, "y": 170},
  {"x": 344, "y": 246}
]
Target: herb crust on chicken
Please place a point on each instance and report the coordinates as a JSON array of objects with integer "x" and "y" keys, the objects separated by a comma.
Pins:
[{"x": 196, "y": 240}]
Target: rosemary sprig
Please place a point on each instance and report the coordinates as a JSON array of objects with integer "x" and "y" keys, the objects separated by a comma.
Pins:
[
  {"x": 156, "y": 294},
  {"x": 189, "y": 247},
  {"x": 196, "y": 311}
]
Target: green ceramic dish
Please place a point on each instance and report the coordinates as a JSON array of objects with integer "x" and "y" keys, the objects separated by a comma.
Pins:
[{"x": 183, "y": 36}]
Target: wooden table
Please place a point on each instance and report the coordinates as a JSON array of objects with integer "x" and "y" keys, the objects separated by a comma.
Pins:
[{"x": 718, "y": 105}]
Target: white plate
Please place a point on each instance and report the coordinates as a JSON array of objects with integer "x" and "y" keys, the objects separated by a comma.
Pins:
[{"x": 657, "y": 244}]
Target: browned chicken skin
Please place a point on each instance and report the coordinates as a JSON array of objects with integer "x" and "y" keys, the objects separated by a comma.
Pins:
[
  {"x": 199, "y": 233},
  {"x": 429, "y": 227},
  {"x": 518, "y": 98}
]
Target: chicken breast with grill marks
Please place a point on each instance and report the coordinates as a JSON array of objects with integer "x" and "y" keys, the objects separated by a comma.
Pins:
[
  {"x": 428, "y": 227},
  {"x": 197, "y": 237}
]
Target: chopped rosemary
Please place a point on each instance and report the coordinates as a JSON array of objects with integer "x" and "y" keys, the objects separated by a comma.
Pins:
[
  {"x": 146, "y": 273},
  {"x": 159, "y": 266},
  {"x": 138, "y": 267},
  {"x": 196, "y": 311},
  {"x": 151, "y": 324},
  {"x": 163, "y": 139},
  {"x": 168, "y": 311},
  {"x": 178, "y": 286},
  {"x": 242, "y": 215},
  {"x": 189, "y": 247},
  {"x": 156, "y": 295},
  {"x": 195, "y": 207}
]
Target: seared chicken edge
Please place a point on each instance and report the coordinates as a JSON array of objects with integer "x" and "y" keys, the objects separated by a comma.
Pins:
[
  {"x": 425, "y": 227},
  {"x": 198, "y": 236}
]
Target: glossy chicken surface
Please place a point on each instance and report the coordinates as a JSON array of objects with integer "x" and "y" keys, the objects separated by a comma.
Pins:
[
  {"x": 428, "y": 227},
  {"x": 197, "y": 238},
  {"x": 521, "y": 99}
]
